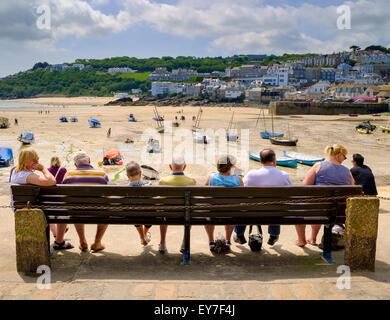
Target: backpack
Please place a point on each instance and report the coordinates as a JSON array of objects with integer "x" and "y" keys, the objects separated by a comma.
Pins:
[{"x": 255, "y": 240}]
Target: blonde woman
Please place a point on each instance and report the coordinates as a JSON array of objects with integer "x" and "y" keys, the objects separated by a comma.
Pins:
[
  {"x": 328, "y": 172},
  {"x": 28, "y": 162},
  {"x": 56, "y": 170}
]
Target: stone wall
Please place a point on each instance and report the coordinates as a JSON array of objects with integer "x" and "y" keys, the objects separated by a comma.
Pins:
[{"x": 332, "y": 108}]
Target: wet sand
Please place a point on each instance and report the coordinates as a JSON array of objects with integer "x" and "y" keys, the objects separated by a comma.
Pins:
[{"x": 63, "y": 139}]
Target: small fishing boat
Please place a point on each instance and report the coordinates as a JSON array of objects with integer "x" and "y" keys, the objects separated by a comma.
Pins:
[
  {"x": 364, "y": 131},
  {"x": 64, "y": 119},
  {"x": 26, "y": 138},
  {"x": 385, "y": 129},
  {"x": 283, "y": 141},
  {"x": 267, "y": 135},
  {"x": 132, "y": 118},
  {"x": 201, "y": 137},
  {"x": 129, "y": 140},
  {"x": 6, "y": 157},
  {"x": 149, "y": 173},
  {"x": 74, "y": 119},
  {"x": 376, "y": 115},
  {"x": 94, "y": 123},
  {"x": 153, "y": 146},
  {"x": 303, "y": 158},
  {"x": 4, "y": 123},
  {"x": 353, "y": 115},
  {"x": 280, "y": 161}
]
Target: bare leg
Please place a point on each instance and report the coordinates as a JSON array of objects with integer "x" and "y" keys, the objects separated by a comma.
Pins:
[
  {"x": 163, "y": 233},
  {"x": 315, "y": 228},
  {"x": 60, "y": 233},
  {"x": 140, "y": 230},
  {"x": 101, "y": 229},
  {"x": 80, "y": 228},
  {"x": 301, "y": 234},
  {"x": 210, "y": 232},
  {"x": 228, "y": 232},
  {"x": 53, "y": 229}
]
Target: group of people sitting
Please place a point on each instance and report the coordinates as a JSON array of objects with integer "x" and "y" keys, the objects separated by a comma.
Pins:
[{"x": 328, "y": 172}]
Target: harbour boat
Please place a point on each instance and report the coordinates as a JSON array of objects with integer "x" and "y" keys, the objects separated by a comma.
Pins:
[
  {"x": 385, "y": 129},
  {"x": 74, "y": 119},
  {"x": 4, "y": 123},
  {"x": 6, "y": 157},
  {"x": 353, "y": 115},
  {"x": 280, "y": 161},
  {"x": 153, "y": 146},
  {"x": 132, "y": 118},
  {"x": 94, "y": 123},
  {"x": 303, "y": 158},
  {"x": 364, "y": 131},
  {"x": 267, "y": 134},
  {"x": 26, "y": 137},
  {"x": 283, "y": 141},
  {"x": 366, "y": 125},
  {"x": 129, "y": 140},
  {"x": 64, "y": 119},
  {"x": 149, "y": 173},
  {"x": 376, "y": 115},
  {"x": 159, "y": 120},
  {"x": 201, "y": 137},
  {"x": 231, "y": 136}
]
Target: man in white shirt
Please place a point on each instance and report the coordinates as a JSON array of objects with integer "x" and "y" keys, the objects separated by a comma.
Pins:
[{"x": 268, "y": 175}]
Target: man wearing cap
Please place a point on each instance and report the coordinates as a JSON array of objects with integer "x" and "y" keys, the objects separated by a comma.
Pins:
[
  {"x": 177, "y": 178},
  {"x": 86, "y": 174}
]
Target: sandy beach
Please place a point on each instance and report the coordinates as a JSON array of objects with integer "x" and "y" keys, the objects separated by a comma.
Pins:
[{"x": 63, "y": 139}]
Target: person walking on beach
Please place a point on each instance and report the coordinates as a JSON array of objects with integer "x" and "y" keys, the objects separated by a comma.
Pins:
[
  {"x": 363, "y": 175},
  {"x": 177, "y": 178},
  {"x": 225, "y": 165},
  {"x": 109, "y": 133},
  {"x": 328, "y": 172},
  {"x": 86, "y": 174},
  {"x": 16, "y": 121},
  {"x": 134, "y": 173},
  {"x": 268, "y": 175}
]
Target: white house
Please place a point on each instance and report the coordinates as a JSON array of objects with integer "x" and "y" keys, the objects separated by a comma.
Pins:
[
  {"x": 319, "y": 87},
  {"x": 121, "y": 70}
]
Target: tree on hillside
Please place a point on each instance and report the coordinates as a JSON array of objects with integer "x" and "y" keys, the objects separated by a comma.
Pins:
[
  {"x": 355, "y": 48},
  {"x": 377, "y": 47}
]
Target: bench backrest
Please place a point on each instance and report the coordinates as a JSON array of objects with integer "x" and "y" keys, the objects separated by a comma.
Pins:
[{"x": 162, "y": 204}]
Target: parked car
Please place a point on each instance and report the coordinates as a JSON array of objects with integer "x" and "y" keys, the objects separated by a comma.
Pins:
[
  {"x": 328, "y": 100},
  {"x": 349, "y": 100},
  {"x": 359, "y": 101}
]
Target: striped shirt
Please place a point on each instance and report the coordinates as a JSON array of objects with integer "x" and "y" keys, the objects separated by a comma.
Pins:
[{"x": 85, "y": 174}]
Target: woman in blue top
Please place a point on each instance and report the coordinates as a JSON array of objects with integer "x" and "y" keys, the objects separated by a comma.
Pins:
[
  {"x": 224, "y": 178},
  {"x": 329, "y": 172}
]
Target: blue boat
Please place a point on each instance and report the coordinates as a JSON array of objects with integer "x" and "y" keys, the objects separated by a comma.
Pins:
[
  {"x": 280, "y": 161},
  {"x": 303, "y": 158},
  {"x": 267, "y": 135},
  {"x": 74, "y": 119},
  {"x": 6, "y": 157},
  {"x": 26, "y": 138},
  {"x": 94, "y": 123},
  {"x": 63, "y": 119}
]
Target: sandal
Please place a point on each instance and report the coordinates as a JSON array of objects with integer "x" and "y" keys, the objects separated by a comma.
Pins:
[
  {"x": 83, "y": 247},
  {"x": 62, "y": 246},
  {"x": 96, "y": 248},
  {"x": 300, "y": 245},
  {"x": 312, "y": 243}
]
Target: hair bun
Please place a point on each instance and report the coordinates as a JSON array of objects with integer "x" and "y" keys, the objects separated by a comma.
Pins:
[{"x": 331, "y": 148}]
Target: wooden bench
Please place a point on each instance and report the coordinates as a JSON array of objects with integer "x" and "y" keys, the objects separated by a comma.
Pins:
[{"x": 186, "y": 206}]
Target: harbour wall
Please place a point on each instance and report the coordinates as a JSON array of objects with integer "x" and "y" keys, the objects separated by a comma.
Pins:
[{"x": 331, "y": 108}]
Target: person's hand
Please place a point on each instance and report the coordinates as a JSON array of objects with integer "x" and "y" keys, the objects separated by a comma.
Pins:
[{"x": 38, "y": 166}]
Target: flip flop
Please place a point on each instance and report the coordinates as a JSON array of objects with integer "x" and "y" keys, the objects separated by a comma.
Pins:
[
  {"x": 311, "y": 243},
  {"x": 83, "y": 247},
  {"x": 96, "y": 248},
  {"x": 61, "y": 246},
  {"x": 300, "y": 245}
]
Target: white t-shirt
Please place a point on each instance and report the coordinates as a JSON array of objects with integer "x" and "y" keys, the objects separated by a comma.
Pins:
[
  {"x": 266, "y": 176},
  {"x": 18, "y": 178}
]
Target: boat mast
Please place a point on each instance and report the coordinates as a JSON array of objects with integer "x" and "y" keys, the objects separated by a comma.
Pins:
[
  {"x": 272, "y": 117},
  {"x": 230, "y": 123}
]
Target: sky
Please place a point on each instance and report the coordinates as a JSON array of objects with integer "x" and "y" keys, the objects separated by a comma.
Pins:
[{"x": 155, "y": 28}]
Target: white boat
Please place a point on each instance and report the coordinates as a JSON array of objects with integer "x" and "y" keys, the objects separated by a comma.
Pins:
[
  {"x": 201, "y": 137},
  {"x": 149, "y": 173},
  {"x": 303, "y": 158},
  {"x": 153, "y": 146}
]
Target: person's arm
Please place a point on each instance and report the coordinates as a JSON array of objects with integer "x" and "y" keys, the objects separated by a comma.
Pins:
[
  {"x": 310, "y": 177},
  {"x": 352, "y": 179},
  {"x": 46, "y": 181},
  {"x": 207, "y": 183},
  {"x": 241, "y": 182}
]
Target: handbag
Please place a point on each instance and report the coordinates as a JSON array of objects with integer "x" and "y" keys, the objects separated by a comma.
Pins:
[{"x": 255, "y": 241}]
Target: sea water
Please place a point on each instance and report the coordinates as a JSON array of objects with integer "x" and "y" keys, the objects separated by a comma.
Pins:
[{"x": 6, "y": 104}]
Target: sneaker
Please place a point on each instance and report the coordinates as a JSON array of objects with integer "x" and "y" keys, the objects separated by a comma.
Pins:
[
  {"x": 272, "y": 240},
  {"x": 182, "y": 248},
  {"x": 162, "y": 248},
  {"x": 239, "y": 238},
  {"x": 212, "y": 245}
]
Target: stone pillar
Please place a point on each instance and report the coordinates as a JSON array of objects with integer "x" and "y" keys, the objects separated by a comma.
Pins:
[
  {"x": 31, "y": 241},
  {"x": 361, "y": 233}
]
